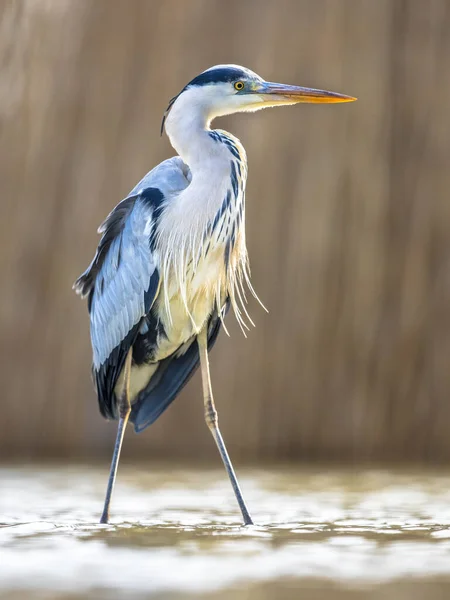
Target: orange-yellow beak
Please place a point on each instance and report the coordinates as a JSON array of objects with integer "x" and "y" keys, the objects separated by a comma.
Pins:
[{"x": 278, "y": 93}]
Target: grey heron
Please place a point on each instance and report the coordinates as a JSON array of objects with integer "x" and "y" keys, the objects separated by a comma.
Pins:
[{"x": 172, "y": 259}]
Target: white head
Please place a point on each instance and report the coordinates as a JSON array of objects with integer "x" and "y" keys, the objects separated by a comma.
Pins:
[
  {"x": 224, "y": 90},
  {"x": 227, "y": 89}
]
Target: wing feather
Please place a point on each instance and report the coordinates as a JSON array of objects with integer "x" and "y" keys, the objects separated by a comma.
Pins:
[{"x": 122, "y": 281}]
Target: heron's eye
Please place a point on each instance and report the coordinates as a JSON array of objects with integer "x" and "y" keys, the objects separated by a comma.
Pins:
[{"x": 239, "y": 85}]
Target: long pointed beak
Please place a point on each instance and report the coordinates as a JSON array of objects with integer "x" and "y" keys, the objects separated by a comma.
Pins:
[{"x": 291, "y": 94}]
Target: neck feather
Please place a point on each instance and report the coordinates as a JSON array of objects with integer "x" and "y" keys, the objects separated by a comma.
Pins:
[{"x": 187, "y": 126}]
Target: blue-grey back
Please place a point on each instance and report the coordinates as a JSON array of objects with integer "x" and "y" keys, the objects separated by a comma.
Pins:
[{"x": 170, "y": 177}]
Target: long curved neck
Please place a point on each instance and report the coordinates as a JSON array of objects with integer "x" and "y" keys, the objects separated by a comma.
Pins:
[
  {"x": 189, "y": 137},
  {"x": 188, "y": 126}
]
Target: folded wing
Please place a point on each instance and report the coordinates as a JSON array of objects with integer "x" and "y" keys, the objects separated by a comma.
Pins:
[{"x": 121, "y": 284}]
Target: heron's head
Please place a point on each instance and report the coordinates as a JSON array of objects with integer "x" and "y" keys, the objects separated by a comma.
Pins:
[{"x": 227, "y": 89}]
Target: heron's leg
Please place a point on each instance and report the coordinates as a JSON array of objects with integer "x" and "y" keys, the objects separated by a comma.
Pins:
[
  {"x": 124, "y": 413},
  {"x": 212, "y": 422}
]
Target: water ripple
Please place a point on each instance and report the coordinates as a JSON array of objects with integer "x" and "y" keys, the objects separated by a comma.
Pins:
[{"x": 178, "y": 531}]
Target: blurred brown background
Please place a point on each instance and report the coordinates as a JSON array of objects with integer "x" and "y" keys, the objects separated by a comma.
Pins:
[{"x": 348, "y": 221}]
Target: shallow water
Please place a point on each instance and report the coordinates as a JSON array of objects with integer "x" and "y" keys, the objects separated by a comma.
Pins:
[{"x": 176, "y": 533}]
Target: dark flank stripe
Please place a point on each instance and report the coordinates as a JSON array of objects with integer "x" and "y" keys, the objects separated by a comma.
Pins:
[
  {"x": 225, "y": 204},
  {"x": 232, "y": 148},
  {"x": 207, "y": 234},
  {"x": 215, "y": 135},
  {"x": 234, "y": 180},
  {"x": 229, "y": 225},
  {"x": 228, "y": 142},
  {"x": 216, "y": 220},
  {"x": 233, "y": 235},
  {"x": 154, "y": 198},
  {"x": 226, "y": 255},
  {"x": 146, "y": 344},
  {"x": 221, "y": 227},
  {"x": 239, "y": 216}
]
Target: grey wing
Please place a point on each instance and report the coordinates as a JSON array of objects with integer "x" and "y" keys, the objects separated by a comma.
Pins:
[
  {"x": 123, "y": 279},
  {"x": 121, "y": 284}
]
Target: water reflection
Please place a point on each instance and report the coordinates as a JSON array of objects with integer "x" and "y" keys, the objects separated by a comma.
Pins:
[{"x": 178, "y": 532}]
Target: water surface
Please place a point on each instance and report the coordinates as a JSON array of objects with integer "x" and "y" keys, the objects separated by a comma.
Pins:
[{"x": 176, "y": 533}]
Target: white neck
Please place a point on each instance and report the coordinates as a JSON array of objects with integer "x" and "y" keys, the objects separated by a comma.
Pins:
[{"x": 187, "y": 126}]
